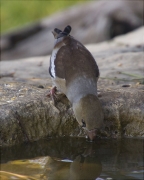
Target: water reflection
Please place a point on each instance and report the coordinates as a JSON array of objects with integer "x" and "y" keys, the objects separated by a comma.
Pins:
[
  {"x": 86, "y": 166},
  {"x": 74, "y": 159}
]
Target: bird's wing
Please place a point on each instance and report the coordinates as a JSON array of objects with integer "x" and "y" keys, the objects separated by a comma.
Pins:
[{"x": 75, "y": 60}]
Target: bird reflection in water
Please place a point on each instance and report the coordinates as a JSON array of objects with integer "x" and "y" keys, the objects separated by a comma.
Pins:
[{"x": 86, "y": 166}]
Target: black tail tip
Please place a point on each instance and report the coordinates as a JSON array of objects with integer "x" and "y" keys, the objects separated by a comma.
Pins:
[
  {"x": 57, "y": 30},
  {"x": 67, "y": 29}
]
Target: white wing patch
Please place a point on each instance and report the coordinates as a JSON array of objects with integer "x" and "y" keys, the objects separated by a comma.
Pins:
[{"x": 53, "y": 57}]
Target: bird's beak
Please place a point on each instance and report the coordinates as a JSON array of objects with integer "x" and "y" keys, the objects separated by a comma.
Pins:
[{"x": 92, "y": 134}]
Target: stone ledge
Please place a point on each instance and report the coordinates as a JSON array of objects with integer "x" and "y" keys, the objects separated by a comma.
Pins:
[{"x": 27, "y": 114}]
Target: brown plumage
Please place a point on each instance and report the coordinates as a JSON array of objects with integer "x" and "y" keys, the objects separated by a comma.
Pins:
[{"x": 75, "y": 73}]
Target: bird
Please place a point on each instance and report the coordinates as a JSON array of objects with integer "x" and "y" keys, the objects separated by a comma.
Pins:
[{"x": 75, "y": 73}]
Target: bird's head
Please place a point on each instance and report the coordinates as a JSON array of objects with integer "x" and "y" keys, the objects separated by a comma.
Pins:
[{"x": 88, "y": 112}]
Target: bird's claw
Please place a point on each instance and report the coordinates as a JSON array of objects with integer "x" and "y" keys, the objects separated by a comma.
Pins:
[{"x": 53, "y": 94}]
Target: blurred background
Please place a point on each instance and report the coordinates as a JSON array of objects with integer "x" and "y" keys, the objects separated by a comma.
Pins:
[
  {"x": 15, "y": 14},
  {"x": 26, "y": 25}
]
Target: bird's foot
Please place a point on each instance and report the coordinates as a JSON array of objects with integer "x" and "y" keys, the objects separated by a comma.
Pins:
[{"x": 53, "y": 94}]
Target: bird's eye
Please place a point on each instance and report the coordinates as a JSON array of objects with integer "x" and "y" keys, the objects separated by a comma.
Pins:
[{"x": 83, "y": 123}]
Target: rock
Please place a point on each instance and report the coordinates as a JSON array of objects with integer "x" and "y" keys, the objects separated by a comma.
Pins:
[
  {"x": 92, "y": 22},
  {"x": 27, "y": 114},
  {"x": 132, "y": 39}
]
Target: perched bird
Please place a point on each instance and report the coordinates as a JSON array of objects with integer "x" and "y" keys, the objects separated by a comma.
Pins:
[{"x": 75, "y": 73}]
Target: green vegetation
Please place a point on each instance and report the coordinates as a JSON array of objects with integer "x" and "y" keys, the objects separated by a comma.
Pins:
[{"x": 15, "y": 13}]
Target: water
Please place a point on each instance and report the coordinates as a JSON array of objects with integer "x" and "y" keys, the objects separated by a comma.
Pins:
[{"x": 74, "y": 159}]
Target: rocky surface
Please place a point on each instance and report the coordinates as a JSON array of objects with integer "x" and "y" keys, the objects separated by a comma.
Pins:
[
  {"x": 28, "y": 114},
  {"x": 91, "y": 22}
]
